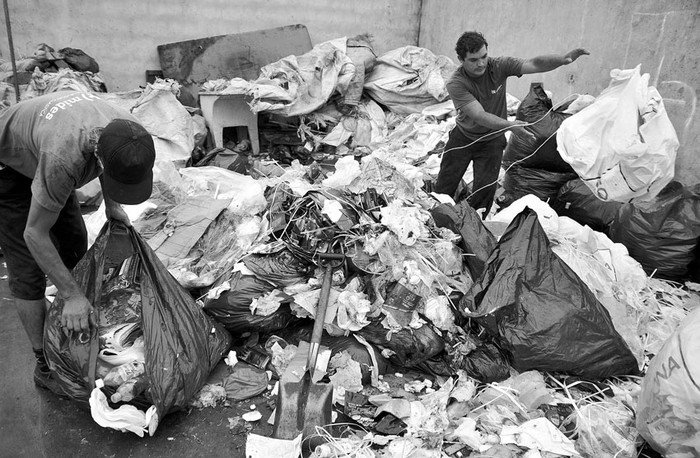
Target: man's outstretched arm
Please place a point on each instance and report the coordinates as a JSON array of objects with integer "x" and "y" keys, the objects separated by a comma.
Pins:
[{"x": 541, "y": 64}]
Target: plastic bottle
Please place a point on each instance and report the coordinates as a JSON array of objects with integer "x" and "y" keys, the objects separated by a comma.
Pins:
[
  {"x": 121, "y": 374},
  {"x": 130, "y": 389}
]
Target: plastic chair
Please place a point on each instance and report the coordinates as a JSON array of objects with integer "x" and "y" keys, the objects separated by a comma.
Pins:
[{"x": 229, "y": 110}]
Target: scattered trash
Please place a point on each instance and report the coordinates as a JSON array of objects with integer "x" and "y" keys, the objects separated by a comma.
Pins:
[
  {"x": 347, "y": 374},
  {"x": 231, "y": 360},
  {"x": 539, "y": 434},
  {"x": 252, "y": 416},
  {"x": 209, "y": 396},
  {"x": 263, "y": 447},
  {"x": 438, "y": 333}
]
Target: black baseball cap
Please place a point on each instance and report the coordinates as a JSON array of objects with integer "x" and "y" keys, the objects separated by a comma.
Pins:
[{"x": 127, "y": 154}]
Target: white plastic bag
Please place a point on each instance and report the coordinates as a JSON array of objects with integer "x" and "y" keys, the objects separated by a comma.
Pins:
[
  {"x": 247, "y": 194},
  {"x": 408, "y": 79},
  {"x": 623, "y": 145},
  {"x": 125, "y": 418},
  {"x": 668, "y": 412}
]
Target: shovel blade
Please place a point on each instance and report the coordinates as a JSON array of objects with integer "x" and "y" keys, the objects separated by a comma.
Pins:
[{"x": 301, "y": 406}]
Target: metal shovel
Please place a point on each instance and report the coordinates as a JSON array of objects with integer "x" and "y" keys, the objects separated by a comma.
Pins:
[{"x": 302, "y": 405}]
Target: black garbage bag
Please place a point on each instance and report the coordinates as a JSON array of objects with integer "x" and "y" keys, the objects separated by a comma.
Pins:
[
  {"x": 182, "y": 344},
  {"x": 577, "y": 201},
  {"x": 520, "y": 181},
  {"x": 662, "y": 235},
  {"x": 438, "y": 365},
  {"x": 79, "y": 61},
  {"x": 232, "y": 308},
  {"x": 694, "y": 266},
  {"x": 280, "y": 269},
  {"x": 480, "y": 358},
  {"x": 541, "y": 313},
  {"x": 410, "y": 346},
  {"x": 487, "y": 363},
  {"x": 477, "y": 241},
  {"x": 535, "y": 108}
]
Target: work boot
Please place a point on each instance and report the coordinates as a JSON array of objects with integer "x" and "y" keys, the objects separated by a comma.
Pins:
[{"x": 43, "y": 377}]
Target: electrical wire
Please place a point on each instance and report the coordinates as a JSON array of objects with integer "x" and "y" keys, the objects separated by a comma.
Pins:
[{"x": 507, "y": 128}]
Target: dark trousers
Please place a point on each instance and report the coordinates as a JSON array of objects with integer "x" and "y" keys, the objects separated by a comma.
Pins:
[
  {"x": 69, "y": 235},
  {"x": 486, "y": 155}
]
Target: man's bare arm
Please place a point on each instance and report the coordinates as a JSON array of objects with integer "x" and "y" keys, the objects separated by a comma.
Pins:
[
  {"x": 114, "y": 210},
  {"x": 541, "y": 64},
  {"x": 76, "y": 308},
  {"x": 477, "y": 113}
]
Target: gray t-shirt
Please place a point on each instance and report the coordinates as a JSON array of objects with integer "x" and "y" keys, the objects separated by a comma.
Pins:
[
  {"x": 52, "y": 140},
  {"x": 488, "y": 89}
]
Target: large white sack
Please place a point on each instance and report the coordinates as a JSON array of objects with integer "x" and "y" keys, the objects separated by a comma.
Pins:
[
  {"x": 297, "y": 85},
  {"x": 406, "y": 80},
  {"x": 173, "y": 129},
  {"x": 623, "y": 145},
  {"x": 167, "y": 120},
  {"x": 668, "y": 410}
]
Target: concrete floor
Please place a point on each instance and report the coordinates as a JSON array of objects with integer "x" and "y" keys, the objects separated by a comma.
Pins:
[{"x": 36, "y": 423}]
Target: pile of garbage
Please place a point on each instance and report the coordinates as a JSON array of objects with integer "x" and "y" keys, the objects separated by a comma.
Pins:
[
  {"x": 48, "y": 70},
  {"x": 549, "y": 328}
]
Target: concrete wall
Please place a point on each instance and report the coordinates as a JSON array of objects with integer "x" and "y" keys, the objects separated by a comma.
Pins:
[
  {"x": 122, "y": 35},
  {"x": 661, "y": 35}
]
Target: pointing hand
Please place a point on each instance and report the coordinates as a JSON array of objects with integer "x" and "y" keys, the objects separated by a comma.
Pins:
[{"x": 575, "y": 54}]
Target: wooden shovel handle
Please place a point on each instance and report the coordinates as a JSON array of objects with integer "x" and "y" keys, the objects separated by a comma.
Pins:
[{"x": 320, "y": 317}]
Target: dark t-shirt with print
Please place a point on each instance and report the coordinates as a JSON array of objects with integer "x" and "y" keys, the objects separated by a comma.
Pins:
[
  {"x": 51, "y": 139},
  {"x": 488, "y": 89}
]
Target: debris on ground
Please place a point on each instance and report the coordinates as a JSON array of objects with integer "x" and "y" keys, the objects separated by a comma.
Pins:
[{"x": 538, "y": 331}]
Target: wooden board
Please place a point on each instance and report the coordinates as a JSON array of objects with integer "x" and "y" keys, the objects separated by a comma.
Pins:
[{"x": 194, "y": 62}]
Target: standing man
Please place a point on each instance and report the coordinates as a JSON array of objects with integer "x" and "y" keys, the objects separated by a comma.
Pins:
[
  {"x": 478, "y": 90},
  {"x": 50, "y": 146}
]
